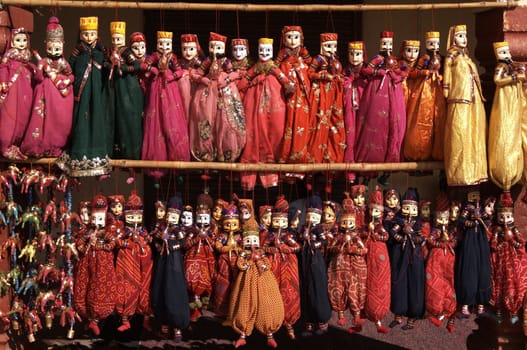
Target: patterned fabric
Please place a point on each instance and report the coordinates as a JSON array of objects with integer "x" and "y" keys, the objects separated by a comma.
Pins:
[
  {"x": 128, "y": 279},
  {"x": 354, "y": 84},
  {"x": 378, "y": 286},
  {"x": 225, "y": 276},
  {"x": 200, "y": 266}
]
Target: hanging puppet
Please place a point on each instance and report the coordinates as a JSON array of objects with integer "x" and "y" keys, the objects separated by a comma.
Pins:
[
  {"x": 382, "y": 110},
  {"x": 191, "y": 58},
  {"x": 265, "y": 111},
  {"x": 440, "y": 294},
  {"x": 327, "y": 143},
  {"x": 217, "y": 118},
  {"x": 17, "y": 76},
  {"x": 294, "y": 60},
  {"x": 466, "y": 125},
  {"x": 125, "y": 96},
  {"x": 255, "y": 300},
  {"x": 407, "y": 59},
  {"x": 95, "y": 283},
  {"x": 426, "y": 106},
  {"x": 50, "y": 124},
  {"x": 473, "y": 269},
  {"x": 241, "y": 62},
  {"x": 354, "y": 83},
  {"x": 407, "y": 263},
  {"x": 137, "y": 45},
  {"x": 506, "y": 156},
  {"x": 91, "y": 139},
  {"x": 165, "y": 125}
]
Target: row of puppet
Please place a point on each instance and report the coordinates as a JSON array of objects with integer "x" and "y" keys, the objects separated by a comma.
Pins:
[
  {"x": 291, "y": 109},
  {"x": 300, "y": 261}
]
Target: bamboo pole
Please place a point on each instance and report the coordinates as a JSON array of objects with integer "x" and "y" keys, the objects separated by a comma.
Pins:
[
  {"x": 247, "y": 7},
  {"x": 259, "y": 167}
]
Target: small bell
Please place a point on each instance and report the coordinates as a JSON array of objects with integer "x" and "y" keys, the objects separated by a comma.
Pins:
[
  {"x": 31, "y": 337},
  {"x": 71, "y": 333},
  {"x": 49, "y": 320},
  {"x": 15, "y": 325}
]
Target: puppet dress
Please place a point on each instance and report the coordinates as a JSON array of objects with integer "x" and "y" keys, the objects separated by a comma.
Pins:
[
  {"x": 294, "y": 64},
  {"x": 217, "y": 118},
  {"x": 347, "y": 274},
  {"x": 353, "y": 89},
  {"x": 440, "y": 295},
  {"x": 51, "y": 119},
  {"x": 91, "y": 138},
  {"x": 95, "y": 286},
  {"x": 466, "y": 125},
  {"x": 187, "y": 87},
  {"x": 169, "y": 288},
  {"x": 506, "y": 156},
  {"x": 426, "y": 111},
  {"x": 126, "y": 105},
  {"x": 381, "y": 120},
  {"x": 509, "y": 270},
  {"x": 165, "y": 126},
  {"x": 327, "y": 142},
  {"x": 265, "y": 112},
  {"x": 378, "y": 284},
  {"x": 281, "y": 252},
  {"x": 16, "y": 72},
  {"x": 255, "y": 301}
]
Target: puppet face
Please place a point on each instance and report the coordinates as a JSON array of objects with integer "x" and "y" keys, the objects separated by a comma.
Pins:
[
  {"x": 203, "y": 219},
  {"x": 189, "y": 50},
  {"x": 54, "y": 48},
  {"x": 505, "y": 217},
  {"x": 98, "y": 219},
  {"x": 392, "y": 201},
  {"x": 386, "y": 45},
  {"x": 245, "y": 213},
  {"x": 160, "y": 213},
  {"x": 265, "y": 52},
  {"x": 504, "y": 54},
  {"x": 173, "y": 217},
  {"x": 231, "y": 224},
  {"x": 187, "y": 218},
  {"x": 442, "y": 218},
  {"x": 355, "y": 57},
  {"x": 295, "y": 222},
  {"x": 432, "y": 44},
  {"x": 293, "y": 39},
  {"x": 328, "y": 48},
  {"x": 359, "y": 200},
  {"x": 489, "y": 208},
  {"x": 265, "y": 219},
  {"x": 411, "y": 53},
  {"x": 139, "y": 49},
  {"x": 347, "y": 222},
  {"x": 116, "y": 209},
  {"x": 375, "y": 212},
  {"x": 133, "y": 218},
  {"x": 454, "y": 212},
  {"x": 425, "y": 211},
  {"x": 329, "y": 216},
  {"x": 460, "y": 39},
  {"x": 216, "y": 212},
  {"x": 20, "y": 41},
  {"x": 216, "y": 48},
  {"x": 89, "y": 37},
  {"x": 239, "y": 52},
  {"x": 118, "y": 40},
  {"x": 164, "y": 45},
  {"x": 251, "y": 241},
  {"x": 409, "y": 209},
  {"x": 313, "y": 218},
  {"x": 85, "y": 215},
  {"x": 279, "y": 222}
]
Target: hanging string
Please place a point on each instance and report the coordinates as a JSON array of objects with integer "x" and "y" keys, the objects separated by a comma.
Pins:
[
  {"x": 186, "y": 17},
  {"x": 295, "y": 17},
  {"x": 266, "y": 23},
  {"x": 116, "y": 11},
  {"x": 329, "y": 21},
  {"x": 169, "y": 184},
  {"x": 237, "y": 24},
  {"x": 433, "y": 18},
  {"x": 162, "y": 20},
  {"x": 266, "y": 195},
  {"x": 187, "y": 188},
  {"x": 217, "y": 24},
  {"x": 231, "y": 183},
  {"x": 219, "y": 185}
]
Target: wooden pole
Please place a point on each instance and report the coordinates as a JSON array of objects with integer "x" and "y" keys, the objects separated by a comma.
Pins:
[
  {"x": 247, "y": 7},
  {"x": 259, "y": 167}
]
